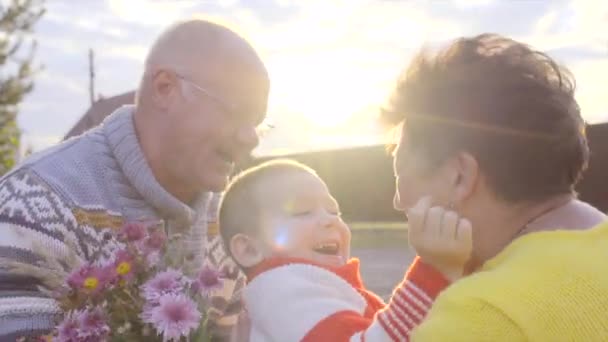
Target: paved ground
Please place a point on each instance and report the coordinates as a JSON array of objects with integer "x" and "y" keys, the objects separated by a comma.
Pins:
[{"x": 382, "y": 269}]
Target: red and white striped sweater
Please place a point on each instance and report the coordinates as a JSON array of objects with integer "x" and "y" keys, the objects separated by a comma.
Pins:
[{"x": 296, "y": 300}]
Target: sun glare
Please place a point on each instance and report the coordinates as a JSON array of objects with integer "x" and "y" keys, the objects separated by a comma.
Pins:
[{"x": 323, "y": 89}]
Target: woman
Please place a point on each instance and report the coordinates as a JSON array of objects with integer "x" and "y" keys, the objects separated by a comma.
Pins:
[{"x": 491, "y": 128}]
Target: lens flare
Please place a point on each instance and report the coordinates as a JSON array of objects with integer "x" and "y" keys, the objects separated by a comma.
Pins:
[{"x": 281, "y": 238}]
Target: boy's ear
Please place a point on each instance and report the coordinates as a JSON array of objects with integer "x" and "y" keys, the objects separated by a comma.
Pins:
[{"x": 245, "y": 251}]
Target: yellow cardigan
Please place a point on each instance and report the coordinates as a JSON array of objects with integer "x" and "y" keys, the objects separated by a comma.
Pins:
[{"x": 546, "y": 287}]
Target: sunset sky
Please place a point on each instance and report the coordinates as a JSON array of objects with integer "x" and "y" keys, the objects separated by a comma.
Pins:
[{"x": 332, "y": 63}]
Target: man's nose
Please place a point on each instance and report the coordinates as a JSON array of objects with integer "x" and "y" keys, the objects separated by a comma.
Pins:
[{"x": 247, "y": 136}]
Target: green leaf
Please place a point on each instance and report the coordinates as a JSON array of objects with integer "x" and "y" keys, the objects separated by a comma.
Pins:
[{"x": 17, "y": 18}]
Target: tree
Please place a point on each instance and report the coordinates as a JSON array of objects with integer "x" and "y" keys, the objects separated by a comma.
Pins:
[{"x": 17, "y": 47}]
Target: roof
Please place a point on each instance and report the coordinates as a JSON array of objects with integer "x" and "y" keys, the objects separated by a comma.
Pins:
[{"x": 98, "y": 111}]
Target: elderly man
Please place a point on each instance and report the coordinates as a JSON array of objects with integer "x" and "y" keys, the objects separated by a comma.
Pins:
[{"x": 202, "y": 97}]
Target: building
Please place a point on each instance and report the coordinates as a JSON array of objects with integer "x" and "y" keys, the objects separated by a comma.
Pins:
[{"x": 98, "y": 111}]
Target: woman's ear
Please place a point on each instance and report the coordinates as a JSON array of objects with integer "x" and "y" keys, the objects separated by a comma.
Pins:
[
  {"x": 245, "y": 251},
  {"x": 466, "y": 176}
]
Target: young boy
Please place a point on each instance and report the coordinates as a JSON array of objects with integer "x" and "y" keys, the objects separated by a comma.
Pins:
[{"x": 283, "y": 228}]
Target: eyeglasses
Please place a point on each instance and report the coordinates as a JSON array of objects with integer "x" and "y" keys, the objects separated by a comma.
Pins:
[{"x": 230, "y": 108}]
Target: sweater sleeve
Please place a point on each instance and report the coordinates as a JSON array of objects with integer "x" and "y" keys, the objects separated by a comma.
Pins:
[
  {"x": 409, "y": 304},
  {"x": 33, "y": 219},
  {"x": 460, "y": 318},
  {"x": 226, "y": 304}
]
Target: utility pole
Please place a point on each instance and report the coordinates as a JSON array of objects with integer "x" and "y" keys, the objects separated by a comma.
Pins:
[{"x": 91, "y": 76}]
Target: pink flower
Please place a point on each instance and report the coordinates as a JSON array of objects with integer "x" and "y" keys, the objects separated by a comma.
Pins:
[
  {"x": 167, "y": 282},
  {"x": 175, "y": 316},
  {"x": 67, "y": 330},
  {"x": 132, "y": 232},
  {"x": 124, "y": 265},
  {"x": 153, "y": 258},
  {"x": 83, "y": 326},
  {"x": 208, "y": 279},
  {"x": 156, "y": 240},
  {"x": 151, "y": 247},
  {"x": 93, "y": 326},
  {"x": 90, "y": 278}
]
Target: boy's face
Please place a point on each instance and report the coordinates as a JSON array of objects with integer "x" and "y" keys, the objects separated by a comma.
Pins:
[{"x": 300, "y": 219}]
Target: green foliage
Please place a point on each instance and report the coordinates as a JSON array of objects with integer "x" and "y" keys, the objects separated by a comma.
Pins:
[{"x": 17, "y": 47}]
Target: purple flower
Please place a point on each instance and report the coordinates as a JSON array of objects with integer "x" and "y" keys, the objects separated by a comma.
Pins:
[
  {"x": 67, "y": 330},
  {"x": 132, "y": 232},
  {"x": 153, "y": 258},
  {"x": 83, "y": 326},
  {"x": 208, "y": 279},
  {"x": 151, "y": 246},
  {"x": 93, "y": 326},
  {"x": 156, "y": 240},
  {"x": 175, "y": 316},
  {"x": 88, "y": 277},
  {"x": 124, "y": 266},
  {"x": 167, "y": 282}
]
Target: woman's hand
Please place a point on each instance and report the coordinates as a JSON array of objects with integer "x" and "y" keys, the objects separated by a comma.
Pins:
[{"x": 440, "y": 237}]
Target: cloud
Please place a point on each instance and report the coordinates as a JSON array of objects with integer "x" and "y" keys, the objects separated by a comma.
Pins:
[
  {"x": 150, "y": 13},
  {"x": 591, "y": 91},
  {"x": 332, "y": 63},
  {"x": 54, "y": 105}
]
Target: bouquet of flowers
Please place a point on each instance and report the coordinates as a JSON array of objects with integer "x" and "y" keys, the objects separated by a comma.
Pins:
[{"x": 140, "y": 293}]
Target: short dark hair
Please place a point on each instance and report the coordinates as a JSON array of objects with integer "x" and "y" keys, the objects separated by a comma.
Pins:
[
  {"x": 240, "y": 207},
  {"x": 510, "y": 106}
]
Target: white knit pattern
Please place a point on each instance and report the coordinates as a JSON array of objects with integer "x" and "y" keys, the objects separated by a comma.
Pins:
[
  {"x": 285, "y": 303},
  {"x": 38, "y": 215},
  {"x": 27, "y": 305},
  {"x": 102, "y": 173}
]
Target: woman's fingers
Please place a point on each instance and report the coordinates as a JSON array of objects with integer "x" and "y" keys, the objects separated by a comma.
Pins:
[
  {"x": 417, "y": 216},
  {"x": 464, "y": 233},
  {"x": 449, "y": 224}
]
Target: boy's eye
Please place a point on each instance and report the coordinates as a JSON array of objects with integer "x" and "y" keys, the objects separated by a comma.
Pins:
[
  {"x": 308, "y": 212},
  {"x": 301, "y": 212}
]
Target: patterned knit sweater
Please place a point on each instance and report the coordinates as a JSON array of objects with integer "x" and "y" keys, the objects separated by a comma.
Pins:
[
  {"x": 70, "y": 195},
  {"x": 296, "y": 300}
]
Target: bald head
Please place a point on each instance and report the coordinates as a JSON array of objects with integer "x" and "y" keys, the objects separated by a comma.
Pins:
[{"x": 191, "y": 42}]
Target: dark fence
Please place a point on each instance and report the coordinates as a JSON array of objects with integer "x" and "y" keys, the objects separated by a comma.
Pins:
[{"x": 362, "y": 179}]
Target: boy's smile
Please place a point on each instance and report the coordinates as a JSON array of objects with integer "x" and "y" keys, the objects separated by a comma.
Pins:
[{"x": 302, "y": 220}]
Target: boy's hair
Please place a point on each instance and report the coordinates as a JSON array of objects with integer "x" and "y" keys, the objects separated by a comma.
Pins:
[{"x": 240, "y": 205}]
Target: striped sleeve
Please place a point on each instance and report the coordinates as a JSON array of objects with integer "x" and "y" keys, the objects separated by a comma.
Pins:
[
  {"x": 32, "y": 219},
  {"x": 410, "y": 302},
  {"x": 408, "y": 306}
]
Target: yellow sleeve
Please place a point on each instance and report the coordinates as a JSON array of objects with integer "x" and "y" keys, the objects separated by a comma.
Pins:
[{"x": 461, "y": 318}]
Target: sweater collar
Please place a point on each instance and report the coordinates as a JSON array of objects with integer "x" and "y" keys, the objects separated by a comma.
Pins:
[
  {"x": 349, "y": 271},
  {"x": 119, "y": 131}
]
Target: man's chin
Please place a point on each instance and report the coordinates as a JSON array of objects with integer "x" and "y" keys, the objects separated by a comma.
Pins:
[{"x": 218, "y": 184}]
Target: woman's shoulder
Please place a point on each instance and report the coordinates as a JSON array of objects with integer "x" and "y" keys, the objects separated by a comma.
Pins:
[
  {"x": 531, "y": 283},
  {"x": 540, "y": 265},
  {"x": 550, "y": 246}
]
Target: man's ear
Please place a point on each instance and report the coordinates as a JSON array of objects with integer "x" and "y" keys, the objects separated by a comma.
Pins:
[
  {"x": 163, "y": 84},
  {"x": 465, "y": 177},
  {"x": 245, "y": 251}
]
